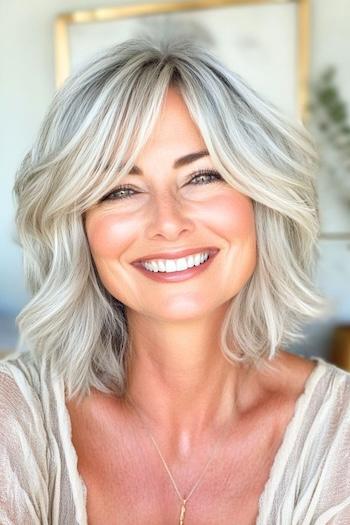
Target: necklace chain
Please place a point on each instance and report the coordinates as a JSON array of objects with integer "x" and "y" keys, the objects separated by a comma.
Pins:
[{"x": 183, "y": 500}]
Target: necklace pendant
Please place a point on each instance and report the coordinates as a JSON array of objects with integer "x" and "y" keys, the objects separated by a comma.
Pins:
[{"x": 182, "y": 515}]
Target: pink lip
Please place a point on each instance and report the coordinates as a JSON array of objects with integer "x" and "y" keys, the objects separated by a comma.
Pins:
[
  {"x": 177, "y": 276},
  {"x": 177, "y": 254}
]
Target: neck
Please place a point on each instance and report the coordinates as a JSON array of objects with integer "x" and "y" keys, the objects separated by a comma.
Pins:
[{"x": 179, "y": 378}]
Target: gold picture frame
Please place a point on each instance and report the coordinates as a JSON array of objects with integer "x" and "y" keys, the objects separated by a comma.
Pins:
[{"x": 64, "y": 20}]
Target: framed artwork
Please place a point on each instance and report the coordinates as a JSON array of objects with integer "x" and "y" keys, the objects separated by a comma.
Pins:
[
  {"x": 271, "y": 53},
  {"x": 334, "y": 200}
]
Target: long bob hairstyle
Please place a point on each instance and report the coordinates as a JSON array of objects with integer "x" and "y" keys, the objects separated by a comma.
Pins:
[{"x": 103, "y": 111}]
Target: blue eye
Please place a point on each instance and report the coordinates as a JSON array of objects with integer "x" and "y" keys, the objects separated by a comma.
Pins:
[
  {"x": 128, "y": 190},
  {"x": 119, "y": 191},
  {"x": 201, "y": 174}
]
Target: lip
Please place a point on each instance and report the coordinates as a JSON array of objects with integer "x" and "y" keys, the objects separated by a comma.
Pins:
[
  {"x": 177, "y": 254},
  {"x": 179, "y": 276}
]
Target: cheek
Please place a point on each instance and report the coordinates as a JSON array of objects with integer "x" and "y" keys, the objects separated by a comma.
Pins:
[
  {"x": 109, "y": 235},
  {"x": 232, "y": 215},
  {"x": 233, "y": 220}
]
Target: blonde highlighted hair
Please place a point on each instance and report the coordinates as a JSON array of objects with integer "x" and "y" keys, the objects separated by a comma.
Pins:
[{"x": 108, "y": 108}]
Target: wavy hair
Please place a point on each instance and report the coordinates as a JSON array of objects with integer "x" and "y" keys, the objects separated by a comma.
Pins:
[{"x": 108, "y": 108}]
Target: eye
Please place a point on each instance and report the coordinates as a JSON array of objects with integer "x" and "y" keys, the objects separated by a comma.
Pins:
[
  {"x": 121, "y": 192},
  {"x": 127, "y": 191},
  {"x": 206, "y": 176}
]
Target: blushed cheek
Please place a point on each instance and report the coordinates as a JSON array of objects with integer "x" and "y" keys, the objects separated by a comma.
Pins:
[
  {"x": 232, "y": 216},
  {"x": 237, "y": 227},
  {"x": 109, "y": 235}
]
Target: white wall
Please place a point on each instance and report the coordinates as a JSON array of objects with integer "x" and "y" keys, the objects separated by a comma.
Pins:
[{"x": 27, "y": 86}]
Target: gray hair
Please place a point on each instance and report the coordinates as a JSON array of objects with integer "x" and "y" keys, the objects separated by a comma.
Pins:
[{"x": 108, "y": 108}]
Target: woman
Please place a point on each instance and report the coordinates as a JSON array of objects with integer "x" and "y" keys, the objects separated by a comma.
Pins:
[{"x": 168, "y": 220}]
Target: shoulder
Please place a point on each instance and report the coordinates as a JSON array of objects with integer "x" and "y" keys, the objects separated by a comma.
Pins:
[
  {"x": 28, "y": 396},
  {"x": 292, "y": 374},
  {"x": 322, "y": 445},
  {"x": 312, "y": 391},
  {"x": 18, "y": 380},
  {"x": 324, "y": 398},
  {"x": 23, "y": 443},
  {"x": 19, "y": 370},
  {"x": 20, "y": 386},
  {"x": 316, "y": 450},
  {"x": 21, "y": 404}
]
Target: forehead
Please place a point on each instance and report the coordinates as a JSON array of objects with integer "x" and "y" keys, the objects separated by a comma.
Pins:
[
  {"x": 174, "y": 137},
  {"x": 174, "y": 121}
]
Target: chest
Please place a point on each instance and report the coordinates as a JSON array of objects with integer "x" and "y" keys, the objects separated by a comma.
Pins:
[
  {"x": 127, "y": 483},
  {"x": 149, "y": 498}
]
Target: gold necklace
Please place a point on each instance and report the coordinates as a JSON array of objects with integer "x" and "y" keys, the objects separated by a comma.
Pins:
[{"x": 183, "y": 500}]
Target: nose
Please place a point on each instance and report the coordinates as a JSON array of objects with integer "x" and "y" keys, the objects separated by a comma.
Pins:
[{"x": 168, "y": 217}]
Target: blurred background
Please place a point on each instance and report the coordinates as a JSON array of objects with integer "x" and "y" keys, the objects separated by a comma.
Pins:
[{"x": 295, "y": 53}]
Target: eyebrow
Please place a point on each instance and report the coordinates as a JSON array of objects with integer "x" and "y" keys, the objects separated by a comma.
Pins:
[{"x": 182, "y": 161}]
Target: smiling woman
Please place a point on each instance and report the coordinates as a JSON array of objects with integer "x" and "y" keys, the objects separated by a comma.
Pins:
[
  {"x": 168, "y": 219},
  {"x": 183, "y": 207}
]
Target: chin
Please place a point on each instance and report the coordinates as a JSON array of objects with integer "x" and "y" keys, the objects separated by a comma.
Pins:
[{"x": 183, "y": 309}]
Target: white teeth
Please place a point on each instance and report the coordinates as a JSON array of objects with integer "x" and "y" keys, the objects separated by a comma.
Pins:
[
  {"x": 161, "y": 266},
  {"x": 170, "y": 266},
  {"x": 176, "y": 265},
  {"x": 190, "y": 261}
]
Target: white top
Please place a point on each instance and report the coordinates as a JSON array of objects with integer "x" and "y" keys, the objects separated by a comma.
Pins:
[{"x": 309, "y": 482}]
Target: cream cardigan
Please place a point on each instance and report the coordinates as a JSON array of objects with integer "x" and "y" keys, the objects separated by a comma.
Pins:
[{"x": 309, "y": 482}]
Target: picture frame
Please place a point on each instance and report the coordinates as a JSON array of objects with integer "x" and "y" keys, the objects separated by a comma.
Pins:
[{"x": 274, "y": 58}]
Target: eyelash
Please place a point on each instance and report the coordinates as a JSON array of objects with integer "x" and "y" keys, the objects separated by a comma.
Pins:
[{"x": 195, "y": 175}]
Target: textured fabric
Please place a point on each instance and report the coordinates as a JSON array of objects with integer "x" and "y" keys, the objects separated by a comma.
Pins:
[{"x": 309, "y": 482}]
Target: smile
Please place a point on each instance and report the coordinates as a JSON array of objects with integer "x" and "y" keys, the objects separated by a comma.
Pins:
[
  {"x": 176, "y": 265},
  {"x": 192, "y": 267}
]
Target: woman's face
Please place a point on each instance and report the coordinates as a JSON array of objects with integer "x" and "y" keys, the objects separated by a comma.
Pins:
[{"x": 166, "y": 209}]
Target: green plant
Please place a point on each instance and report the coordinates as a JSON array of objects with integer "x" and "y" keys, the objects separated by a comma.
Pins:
[{"x": 329, "y": 112}]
